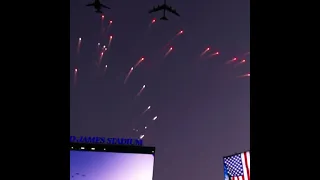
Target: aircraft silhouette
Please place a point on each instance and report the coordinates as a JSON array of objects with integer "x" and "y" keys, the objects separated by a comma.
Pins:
[
  {"x": 164, "y": 7},
  {"x": 97, "y": 5}
]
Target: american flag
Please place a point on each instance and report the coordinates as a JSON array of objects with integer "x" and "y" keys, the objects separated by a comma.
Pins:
[{"x": 238, "y": 166}]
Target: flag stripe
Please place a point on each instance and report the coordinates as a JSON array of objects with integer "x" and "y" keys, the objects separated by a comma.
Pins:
[
  {"x": 248, "y": 156},
  {"x": 238, "y": 178},
  {"x": 245, "y": 163}
]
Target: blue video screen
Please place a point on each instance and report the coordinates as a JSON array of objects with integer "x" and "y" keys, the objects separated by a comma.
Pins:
[{"x": 95, "y": 165}]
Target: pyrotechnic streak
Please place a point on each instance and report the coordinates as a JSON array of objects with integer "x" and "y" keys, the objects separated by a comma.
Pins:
[
  {"x": 140, "y": 61},
  {"x": 148, "y": 108},
  {"x": 75, "y": 76},
  {"x": 245, "y": 75},
  {"x": 213, "y": 54},
  {"x": 175, "y": 36},
  {"x": 239, "y": 63},
  {"x": 243, "y": 61},
  {"x": 141, "y": 136},
  {"x": 102, "y": 26},
  {"x": 100, "y": 58},
  {"x": 247, "y": 53},
  {"x": 152, "y": 22},
  {"x": 104, "y": 49},
  {"x": 145, "y": 127},
  {"x": 110, "y": 40},
  {"x": 168, "y": 52},
  {"x": 79, "y": 45},
  {"x": 105, "y": 68},
  {"x": 128, "y": 75},
  {"x": 231, "y": 60},
  {"x": 139, "y": 93},
  {"x": 204, "y": 52},
  {"x": 109, "y": 26},
  {"x": 179, "y": 33},
  {"x": 98, "y": 47}
]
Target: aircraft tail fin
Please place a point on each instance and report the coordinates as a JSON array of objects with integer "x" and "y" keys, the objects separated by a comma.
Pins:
[{"x": 164, "y": 18}]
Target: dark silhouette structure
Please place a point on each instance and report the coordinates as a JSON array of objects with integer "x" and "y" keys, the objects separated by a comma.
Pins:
[
  {"x": 77, "y": 174},
  {"x": 97, "y": 5},
  {"x": 164, "y": 7}
]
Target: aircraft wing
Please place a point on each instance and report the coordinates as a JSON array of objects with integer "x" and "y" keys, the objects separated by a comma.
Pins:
[
  {"x": 92, "y": 4},
  {"x": 105, "y": 6},
  {"x": 173, "y": 11},
  {"x": 158, "y": 8}
]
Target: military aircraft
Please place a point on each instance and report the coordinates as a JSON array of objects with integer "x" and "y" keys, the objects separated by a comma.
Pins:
[
  {"x": 164, "y": 7},
  {"x": 97, "y": 5}
]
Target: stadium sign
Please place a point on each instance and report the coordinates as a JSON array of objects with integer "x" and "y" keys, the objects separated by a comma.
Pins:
[{"x": 104, "y": 140}]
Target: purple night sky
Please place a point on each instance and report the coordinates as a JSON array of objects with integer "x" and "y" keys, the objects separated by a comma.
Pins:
[{"x": 203, "y": 108}]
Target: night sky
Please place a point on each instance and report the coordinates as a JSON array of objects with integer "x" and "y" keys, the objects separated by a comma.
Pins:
[{"x": 203, "y": 108}]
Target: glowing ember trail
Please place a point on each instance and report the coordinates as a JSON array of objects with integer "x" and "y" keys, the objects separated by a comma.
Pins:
[
  {"x": 75, "y": 76},
  {"x": 232, "y": 60},
  {"x": 213, "y": 54},
  {"x": 148, "y": 108},
  {"x": 140, "y": 61},
  {"x": 110, "y": 40},
  {"x": 108, "y": 27},
  {"x": 152, "y": 22},
  {"x": 239, "y": 63},
  {"x": 204, "y": 52},
  {"x": 168, "y": 52},
  {"x": 175, "y": 36},
  {"x": 139, "y": 93},
  {"x": 128, "y": 75},
  {"x": 79, "y": 45},
  {"x": 245, "y": 75},
  {"x": 100, "y": 58},
  {"x": 102, "y": 26}
]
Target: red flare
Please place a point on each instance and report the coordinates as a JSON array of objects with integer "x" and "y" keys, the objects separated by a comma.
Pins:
[
  {"x": 245, "y": 75},
  {"x": 204, "y": 52}
]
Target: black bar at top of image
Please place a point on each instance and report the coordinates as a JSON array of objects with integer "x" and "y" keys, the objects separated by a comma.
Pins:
[{"x": 112, "y": 148}]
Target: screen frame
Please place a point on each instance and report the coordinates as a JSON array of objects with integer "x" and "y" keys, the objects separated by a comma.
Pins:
[{"x": 112, "y": 148}]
